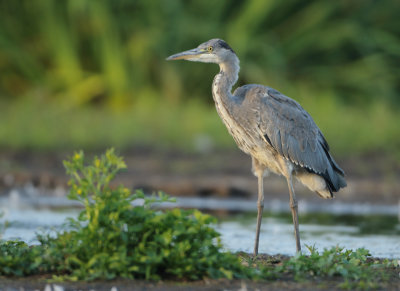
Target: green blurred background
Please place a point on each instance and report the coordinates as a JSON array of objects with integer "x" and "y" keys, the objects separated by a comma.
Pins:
[{"x": 84, "y": 74}]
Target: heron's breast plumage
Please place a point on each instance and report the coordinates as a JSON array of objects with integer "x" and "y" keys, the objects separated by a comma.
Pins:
[{"x": 245, "y": 136}]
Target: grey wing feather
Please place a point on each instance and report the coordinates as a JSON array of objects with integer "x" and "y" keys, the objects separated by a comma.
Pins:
[{"x": 292, "y": 132}]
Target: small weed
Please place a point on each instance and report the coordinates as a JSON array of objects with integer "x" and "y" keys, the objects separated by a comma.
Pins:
[
  {"x": 355, "y": 267},
  {"x": 347, "y": 269},
  {"x": 3, "y": 225},
  {"x": 18, "y": 259}
]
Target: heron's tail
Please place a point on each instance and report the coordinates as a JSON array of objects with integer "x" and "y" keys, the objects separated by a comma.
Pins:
[
  {"x": 324, "y": 184},
  {"x": 341, "y": 181},
  {"x": 336, "y": 176}
]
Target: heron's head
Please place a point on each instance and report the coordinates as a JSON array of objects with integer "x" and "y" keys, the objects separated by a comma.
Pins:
[{"x": 213, "y": 51}]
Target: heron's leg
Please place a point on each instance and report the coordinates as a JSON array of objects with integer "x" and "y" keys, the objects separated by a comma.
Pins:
[
  {"x": 260, "y": 208},
  {"x": 259, "y": 172},
  {"x": 293, "y": 207}
]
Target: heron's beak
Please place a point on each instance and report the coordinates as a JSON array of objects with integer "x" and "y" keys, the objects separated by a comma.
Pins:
[{"x": 192, "y": 54}]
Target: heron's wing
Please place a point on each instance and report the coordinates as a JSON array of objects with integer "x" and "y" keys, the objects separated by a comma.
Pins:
[{"x": 290, "y": 130}]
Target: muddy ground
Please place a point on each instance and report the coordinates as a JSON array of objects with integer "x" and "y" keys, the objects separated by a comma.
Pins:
[
  {"x": 287, "y": 283},
  {"x": 31, "y": 284}
]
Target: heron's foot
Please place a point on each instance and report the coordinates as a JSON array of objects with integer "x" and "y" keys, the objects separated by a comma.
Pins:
[{"x": 255, "y": 252}]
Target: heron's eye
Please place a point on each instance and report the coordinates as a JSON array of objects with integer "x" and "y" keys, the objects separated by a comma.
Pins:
[{"x": 210, "y": 49}]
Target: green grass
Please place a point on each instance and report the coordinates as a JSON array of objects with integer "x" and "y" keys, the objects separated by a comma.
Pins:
[
  {"x": 192, "y": 126},
  {"x": 39, "y": 126}
]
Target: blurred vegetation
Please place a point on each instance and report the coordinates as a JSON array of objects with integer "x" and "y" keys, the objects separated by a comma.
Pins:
[{"x": 91, "y": 74}]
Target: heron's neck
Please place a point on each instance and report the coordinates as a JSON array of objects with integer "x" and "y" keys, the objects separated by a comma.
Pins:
[
  {"x": 230, "y": 72},
  {"x": 222, "y": 87},
  {"x": 225, "y": 79}
]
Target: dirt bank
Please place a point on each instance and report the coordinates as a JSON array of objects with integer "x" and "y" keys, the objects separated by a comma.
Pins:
[
  {"x": 372, "y": 179},
  {"x": 287, "y": 282}
]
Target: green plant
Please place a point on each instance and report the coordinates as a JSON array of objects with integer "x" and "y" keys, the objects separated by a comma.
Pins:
[
  {"x": 18, "y": 259},
  {"x": 355, "y": 267},
  {"x": 112, "y": 238},
  {"x": 3, "y": 225}
]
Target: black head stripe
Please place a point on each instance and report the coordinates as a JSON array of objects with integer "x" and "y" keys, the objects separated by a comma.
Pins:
[{"x": 224, "y": 45}]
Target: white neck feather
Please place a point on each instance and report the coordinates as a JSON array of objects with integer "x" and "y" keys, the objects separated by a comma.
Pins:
[
  {"x": 222, "y": 87},
  {"x": 230, "y": 71}
]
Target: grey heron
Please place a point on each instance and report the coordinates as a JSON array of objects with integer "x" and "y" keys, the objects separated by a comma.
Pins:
[{"x": 279, "y": 135}]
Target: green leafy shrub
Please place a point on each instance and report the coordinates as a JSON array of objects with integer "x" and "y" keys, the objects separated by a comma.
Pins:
[{"x": 113, "y": 238}]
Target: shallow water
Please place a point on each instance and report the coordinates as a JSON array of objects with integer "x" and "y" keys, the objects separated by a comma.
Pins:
[
  {"x": 278, "y": 237},
  {"x": 25, "y": 219}
]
